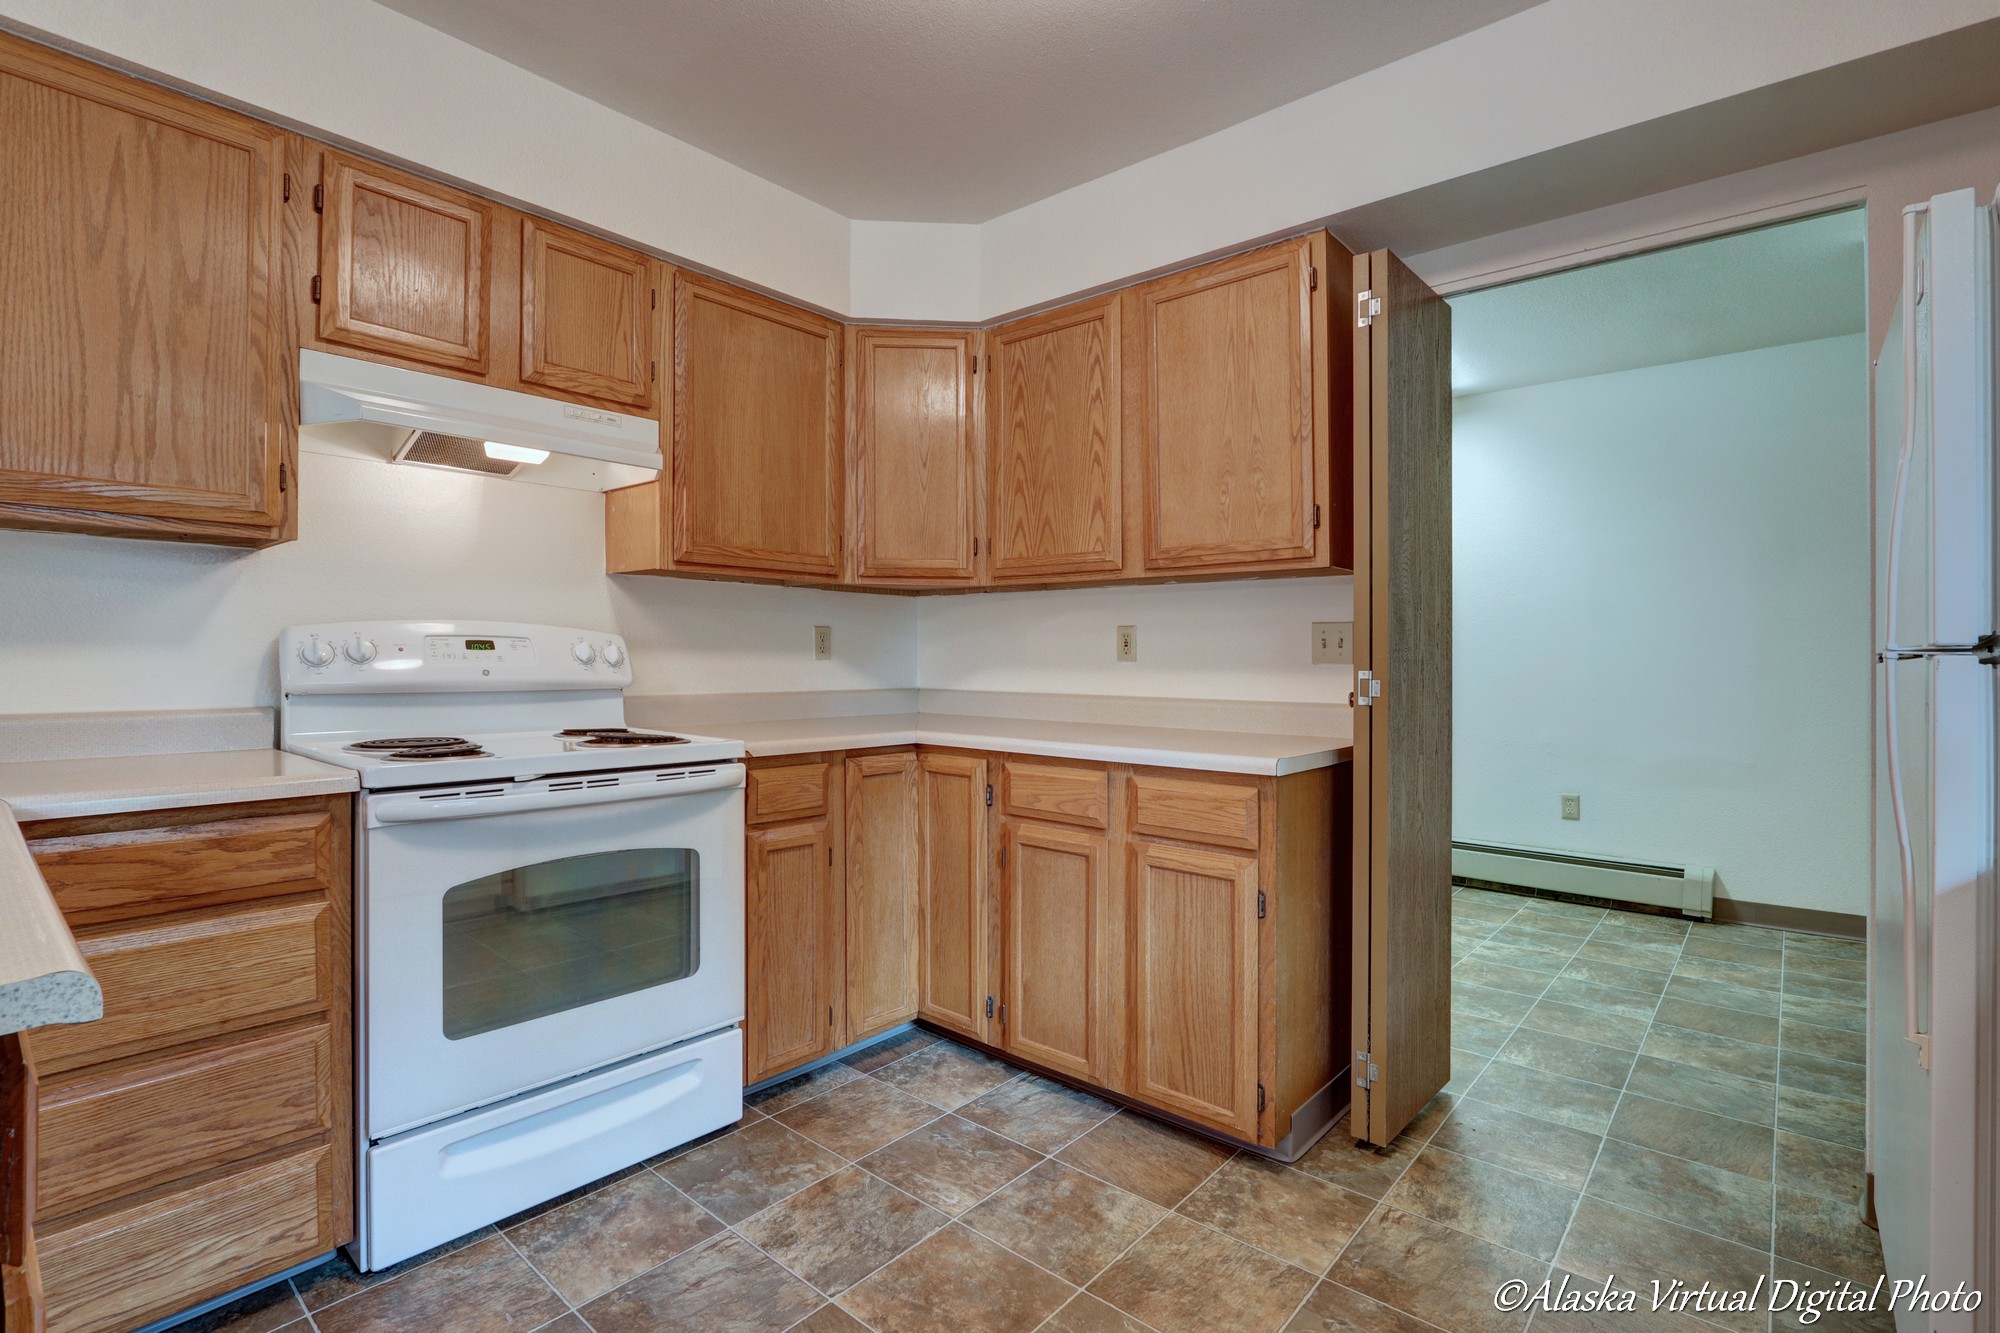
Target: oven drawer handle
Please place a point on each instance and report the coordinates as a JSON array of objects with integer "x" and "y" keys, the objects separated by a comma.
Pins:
[{"x": 411, "y": 808}]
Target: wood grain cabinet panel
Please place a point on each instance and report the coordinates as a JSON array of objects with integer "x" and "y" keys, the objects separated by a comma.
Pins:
[
  {"x": 115, "y": 1270},
  {"x": 1067, "y": 794},
  {"x": 1232, "y": 377},
  {"x": 143, "y": 360},
  {"x": 955, "y": 926},
  {"x": 756, "y": 434},
  {"x": 915, "y": 474},
  {"x": 795, "y": 946},
  {"x": 1052, "y": 905},
  {"x": 787, "y": 792},
  {"x": 883, "y": 845},
  {"x": 405, "y": 265},
  {"x": 1056, "y": 494},
  {"x": 586, "y": 315},
  {"x": 1223, "y": 814},
  {"x": 1191, "y": 927},
  {"x": 103, "y": 1135}
]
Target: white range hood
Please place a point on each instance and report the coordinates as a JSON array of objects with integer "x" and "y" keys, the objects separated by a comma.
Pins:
[{"x": 365, "y": 409}]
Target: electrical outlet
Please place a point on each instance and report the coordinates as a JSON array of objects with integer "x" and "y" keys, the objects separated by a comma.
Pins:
[
  {"x": 1572, "y": 807},
  {"x": 822, "y": 643},
  {"x": 1333, "y": 642},
  {"x": 1128, "y": 643}
]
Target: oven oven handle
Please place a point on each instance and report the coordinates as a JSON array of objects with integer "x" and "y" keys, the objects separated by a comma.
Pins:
[{"x": 412, "y": 807}]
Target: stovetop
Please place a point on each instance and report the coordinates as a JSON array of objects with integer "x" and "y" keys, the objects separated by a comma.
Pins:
[{"x": 408, "y": 758}]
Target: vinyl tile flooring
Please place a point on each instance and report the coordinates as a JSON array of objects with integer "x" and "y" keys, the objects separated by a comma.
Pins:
[{"x": 1631, "y": 1097}]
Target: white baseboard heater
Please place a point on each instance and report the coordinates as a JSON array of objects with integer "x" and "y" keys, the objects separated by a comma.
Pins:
[{"x": 1686, "y": 889}]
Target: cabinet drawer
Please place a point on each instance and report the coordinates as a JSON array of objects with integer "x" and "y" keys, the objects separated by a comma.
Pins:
[
  {"x": 1221, "y": 814},
  {"x": 785, "y": 791},
  {"x": 144, "y": 871},
  {"x": 192, "y": 977},
  {"x": 1046, "y": 791},
  {"x": 156, "y": 1257},
  {"x": 107, "y": 1135}
]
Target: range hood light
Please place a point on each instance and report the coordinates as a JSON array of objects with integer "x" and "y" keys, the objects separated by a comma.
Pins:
[{"x": 514, "y": 453}]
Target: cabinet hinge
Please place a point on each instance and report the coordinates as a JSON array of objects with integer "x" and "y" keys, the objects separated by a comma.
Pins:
[
  {"x": 1315, "y": 518},
  {"x": 319, "y": 198},
  {"x": 288, "y": 187},
  {"x": 975, "y": 546},
  {"x": 653, "y": 373},
  {"x": 829, "y": 1015},
  {"x": 989, "y": 1006},
  {"x": 315, "y": 289},
  {"x": 656, "y": 298},
  {"x": 1312, "y": 277},
  {"x": 283, "y": 479},
  {"x": 1003, "y": 1015},
  {"x": 1367, "y": 305},
  {"x": 975, "y": 365},
  {"x": 1003, "y": 858},
  {"x": 1260, "y": 1098},
  {"x": 829, "y": 856},
  {"x": 1365, "y": 1072},
  {"x": 989, "y": 365},
  {"x": 1260, "y": 904},
  {"x": 989, "y": 794}
]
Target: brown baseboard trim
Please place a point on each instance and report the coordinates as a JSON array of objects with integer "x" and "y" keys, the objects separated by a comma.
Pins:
[{"x": 1803, "y": 920}]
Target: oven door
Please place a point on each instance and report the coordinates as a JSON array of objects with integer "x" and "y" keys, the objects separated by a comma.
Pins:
[{"x": 514, "y": 934}]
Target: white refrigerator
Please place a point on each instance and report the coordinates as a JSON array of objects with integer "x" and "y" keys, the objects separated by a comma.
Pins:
[{"x": 1932, "y": 1082}]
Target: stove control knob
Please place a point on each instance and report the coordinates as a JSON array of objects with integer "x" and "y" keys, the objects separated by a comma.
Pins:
[
  {"x": 583, "y": 652},
  {"x": 614, "y": 655},
  {"x": 315, "y": 653},
  {"x": 358, "y": 650}
]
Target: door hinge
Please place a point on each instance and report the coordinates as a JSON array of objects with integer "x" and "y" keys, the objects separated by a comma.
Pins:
[
  {"x": 989, "y": 1006},
  {"x": 288, "y": 187},
  {"x": 1260, "y": 1098},
  {"x": 989, "y": 794},
  {"x": 1367, "y": 305},
  {"x": 1315, "y": 518},
  {"x": 283, "y": 479},
  {"x": 319, "y": 198},
  {"x": 1312, "y": 277},
  {"x": 1260, "y": 904},
  {"x": 1367, "y": 689},
  {"x": 315, "y": 289},
  {"x": 1365, "y": 1072}
]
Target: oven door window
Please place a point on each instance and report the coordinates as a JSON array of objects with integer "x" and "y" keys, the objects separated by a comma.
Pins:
[{"x": 556, "y": 935}]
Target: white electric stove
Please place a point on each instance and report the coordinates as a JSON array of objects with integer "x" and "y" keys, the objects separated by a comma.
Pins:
[{"x": 549, "y": 915}]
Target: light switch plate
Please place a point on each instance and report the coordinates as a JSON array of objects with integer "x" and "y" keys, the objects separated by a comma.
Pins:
[
  {"x": 1332, "y": 642},
  {"x": 822, "y": 643},
  {"x": 1128, "y": 643}
]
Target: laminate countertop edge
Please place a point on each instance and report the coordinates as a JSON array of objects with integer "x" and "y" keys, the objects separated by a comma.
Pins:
[
  {"x": 126, "y": 784},
  {"x": 43, "y": 977}
]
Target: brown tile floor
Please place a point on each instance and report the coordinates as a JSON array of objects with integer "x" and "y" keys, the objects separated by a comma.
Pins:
[{"x": 1629, "y": 1096}]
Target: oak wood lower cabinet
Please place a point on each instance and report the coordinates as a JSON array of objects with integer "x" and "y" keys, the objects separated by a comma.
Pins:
[
  {"x": 883, "y": 851},
  {"x": 199, "y": 1136},
  {"x": 1057, "y": 940},
  {"x": 956, "y": 917}
]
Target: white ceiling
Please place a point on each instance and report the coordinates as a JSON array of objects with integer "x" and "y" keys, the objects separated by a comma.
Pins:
[
  {"x": 1784, "y": 284},
  {"x": 947, "y": 110}
]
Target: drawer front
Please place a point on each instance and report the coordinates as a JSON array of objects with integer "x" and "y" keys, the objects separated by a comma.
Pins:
[
  {"x": 1047, "y": 791},
  {"x": 97, "y": 877},
  {"x": 146, "y": 1125},
  {"x": 119, "y": 1270},
  {"x": 1218, "y": 813},
  {"x": 194, "y": 977},
  {"x": 785, "y": 791}
]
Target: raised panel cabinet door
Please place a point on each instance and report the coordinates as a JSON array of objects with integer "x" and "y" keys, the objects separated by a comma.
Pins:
[
  {"x": 794, "y": 948},
  {"x": 586, "y": 315},
  {"x": 756, "y": 433},
  {"x": 143, "y": 362},
  {"x": 404, "y": 265},
  {"x": 1055, "y": 497},
  {"x": 882, "y": 852},
  {"x": 912, "y": 453},
  {"x": 1402, "y": 728},
  {"x": 1051, "y": 904},
  {"x": 1234, "y": 411},
  {"x": 956, "y": 923},
  {"x": 1192, "y": 930}
]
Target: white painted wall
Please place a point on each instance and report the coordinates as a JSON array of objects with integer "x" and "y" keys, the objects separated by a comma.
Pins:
[
  {"x": 915, "y": 271},
  {"x": 1661, "y": 604},
  {"x": 94, "y": 623},
  {"x": 1241, "y": 640}
]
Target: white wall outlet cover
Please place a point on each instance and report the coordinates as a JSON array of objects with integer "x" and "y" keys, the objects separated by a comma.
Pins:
[
  {"x": 1332, "y": 642},
  {"x": 1128, "y": 643},
  {"x": 1572, "y": 807},
  {"x": 822, "y": 643}
]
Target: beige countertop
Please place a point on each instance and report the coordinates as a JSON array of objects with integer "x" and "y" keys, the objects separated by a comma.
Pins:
[
  {"x": 43, "y": 978},
  {"x": 1164, "y": 747},
  {"x": 120, "y": 784}
]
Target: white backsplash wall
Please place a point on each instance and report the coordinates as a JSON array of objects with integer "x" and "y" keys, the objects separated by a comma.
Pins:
[
  {"x": 93, "y": 623},
  {"x": 1661, "y": 604},
  {"x": 1244, "y": 639}
]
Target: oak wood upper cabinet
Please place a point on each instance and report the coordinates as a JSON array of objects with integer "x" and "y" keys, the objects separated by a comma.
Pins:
[
  {"x": 1192, "y": 926},
  {"x": 795, "y": 944},
  {"x": 883, "y": 846},
  {"x": 1059, "y": 999},
  {"x": 586, "y": 316},
  {"x": 756, "y": 434},
  {"x": 144, "y": 357},
  {"x": 405, "y": 265},
  {"x": 1055, "y": 494},
  {"x": 956, "y": 921},
  {"x": 911, "y": 448},
  {"x": 1232, "y": 374}
]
